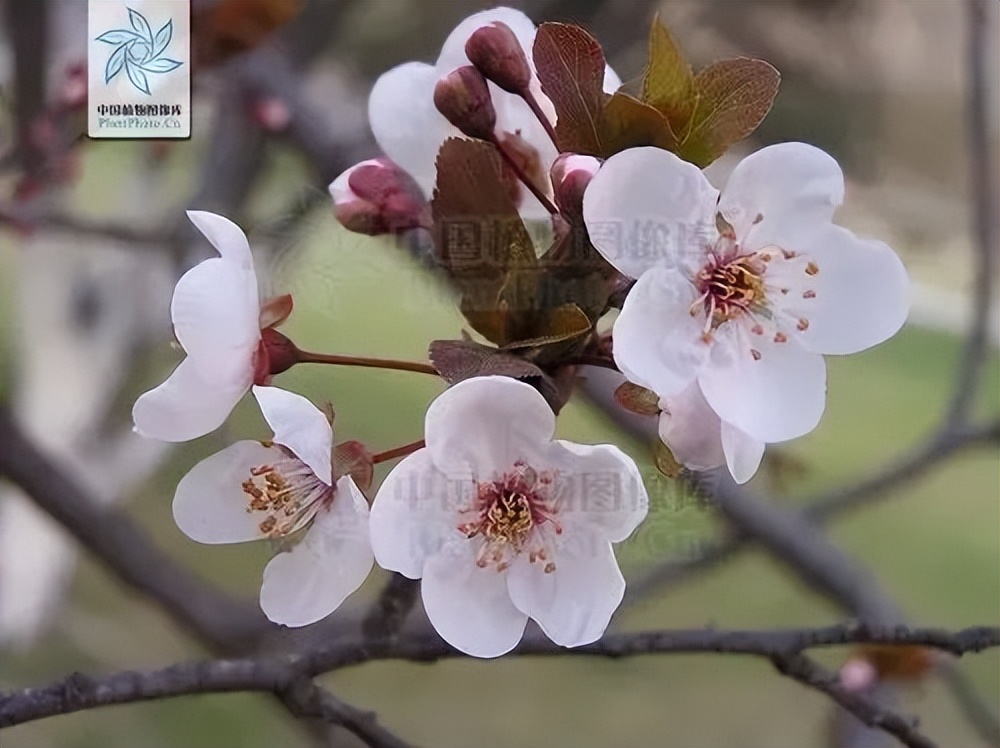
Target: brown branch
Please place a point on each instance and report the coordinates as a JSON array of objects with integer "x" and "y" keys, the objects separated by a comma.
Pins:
[
  {"x": 126, "y": 550},
  {"x": 291, "y": 674},
  {"x": 985, "y": 219}
]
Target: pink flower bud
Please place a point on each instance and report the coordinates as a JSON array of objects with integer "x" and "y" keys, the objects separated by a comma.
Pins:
[
  {"x": 571, "y": 173},
  {"x": 375, "y": 198},
  {"x": 463, "y": 98},
  {"x": 497, "y": 54}
]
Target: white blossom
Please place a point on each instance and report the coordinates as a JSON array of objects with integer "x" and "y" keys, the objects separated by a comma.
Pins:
[
  {"x": 504, "y": 524},
  {"x": 741, "y": 292},
  {"x": 273, "y": 490}
]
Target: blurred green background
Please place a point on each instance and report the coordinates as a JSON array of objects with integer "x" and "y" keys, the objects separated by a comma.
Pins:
[{"x": 932, "y": 545}]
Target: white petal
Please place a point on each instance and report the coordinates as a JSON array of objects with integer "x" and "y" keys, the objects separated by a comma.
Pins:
[
  {"x": 215, "y": 311},
  {"x": 187, "y": 405},
  {"x": 791, "y": 186},
  {"x": 453, "y": 50},
  {"x": 210, "y": 505},
  {"x": 227, "y": 238},
  {"x": 482, "y": 425},
  {"x": 743, "y": 453},
  {"x": 574, "y": 603},
  {"x": 781, "y": 396},
  {"x": 647, "y": 208},
  {"x": 469, "y": 606},
  {"x": 405, "y": 122},
  {"x": 334, "y": 558},
  {"x": 611, "y": 80},
  {"x": 657, "y": 343},
  {"x": 414, "y": 512},
  {"x": 300, "y": 426},
  {"x": 692, "y": 430},
  {"x": 861, "y": 293},
  {"x": 600, "y": 489}
]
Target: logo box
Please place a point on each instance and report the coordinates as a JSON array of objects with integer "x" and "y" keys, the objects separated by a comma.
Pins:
[{"x": 139, "y": 69}]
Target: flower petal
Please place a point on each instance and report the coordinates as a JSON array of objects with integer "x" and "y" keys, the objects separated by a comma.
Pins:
[
  {"x": 216, "y": 315},
  {"x": 657, "y": 343},
  {"x": 307, "y": 583},
  {"x": 300, "y": 426},
  {"x": 405, "y": 123},
  {"x": 574, "y": 603},
  {"x": 780, "y": 396},
  {"x": 187, "y": 405},
  {"x": 647, "y": 208},
  {"x": 469, "y": 606},
  {"x": 210, "y": 505},
  {"x": 413, "y": 515},
  {"x": 692, "y": 430},
  {"x": 482, "y": 425},
  {"x": 861, "y": 293},
  {"x": 227, "y": 238},
  {"x": 743, "y": 453},
  {"x": 600, "y": 490},
  {"x": 791, "y": 186}
]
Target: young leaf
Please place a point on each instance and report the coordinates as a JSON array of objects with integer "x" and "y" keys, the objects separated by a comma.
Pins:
[
  {"x": 478, "y": 231},
  {"x": 734, "y": 97},
  {"x": 570, "y": 67},
  {"x": 627, "y": 122},
  {"x": 556, "y": 325},
  {"x": 665, "y": 461},
  {"x": 638, "y": 400},
  {"x": 668, "y": 83}
]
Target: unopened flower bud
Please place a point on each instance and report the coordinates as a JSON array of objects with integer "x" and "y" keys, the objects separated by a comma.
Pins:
[
  {"x": 497, "y": 54},
  {"x": 571, "y": 173},
  {"x": 463, "y": 98},
  {"x": 375, "y": 198}
]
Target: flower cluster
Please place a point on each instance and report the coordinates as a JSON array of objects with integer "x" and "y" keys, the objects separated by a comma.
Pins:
[{"x": 723, "y": 306}]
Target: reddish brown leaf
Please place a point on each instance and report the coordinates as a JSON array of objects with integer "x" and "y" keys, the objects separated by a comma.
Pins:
[
  {"x": 570, "y": 67},
  {"x": 638, "y": 400},
  {"x": 556, "y": 325},
  {"x": 665, "y": 461},
  {"x": 627, "y": 122},
  {"x": 734, "y": 97},
  {"x": 479, "y": 234}
]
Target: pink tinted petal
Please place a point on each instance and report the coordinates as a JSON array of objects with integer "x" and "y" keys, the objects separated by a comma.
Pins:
[
  {"x": 791, "y": 186},
  {"x": 861, "y": 293},
  {"x": 215, "y": 311},
  {"x": 405, "y": 123},
  {"x": 743, "y": 453},
  {"x": 415, "y": 511},
  {"x": 573, "y": 604},
  {"x": 647, "y": 208},
  {"x": 691, "y": 429},
  {"x": 482, "y": 425},
  {"x": 187, "y": 405},
  {"x": 227, "y": 238},
  {"x": 780, "y": 396},
  {"x": 210, "y": 505},
  {"x": 469, "y": 606},
  {"x": 657, "y": 343},
  {"x": 600, "y": 489},
  {"x": 307, "y": 583},
  {"x": 300, "y": 426}
]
